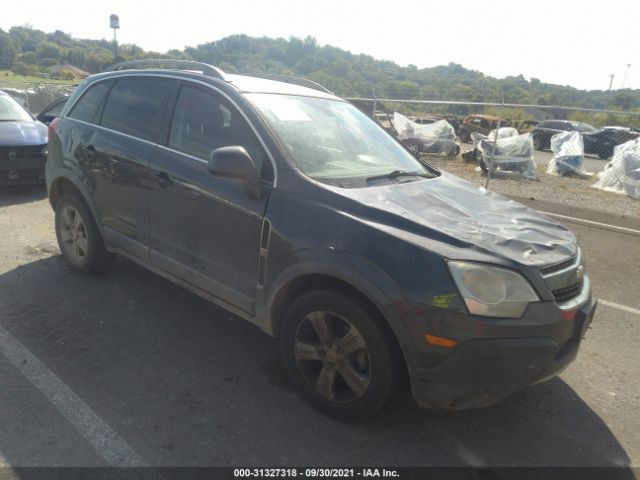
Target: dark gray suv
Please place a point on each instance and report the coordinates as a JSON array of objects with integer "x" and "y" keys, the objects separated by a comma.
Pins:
[{"x": 289, "y": 207}]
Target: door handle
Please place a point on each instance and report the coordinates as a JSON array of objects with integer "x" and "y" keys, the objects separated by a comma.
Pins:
[
  {"x": 91, "y": 152},
  {"x": 165, "y": 179}
]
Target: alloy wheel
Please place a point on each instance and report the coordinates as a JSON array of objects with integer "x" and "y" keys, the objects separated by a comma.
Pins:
[
  {"x": 333, "y": 357},
  {"x": 74, "y": 234}
]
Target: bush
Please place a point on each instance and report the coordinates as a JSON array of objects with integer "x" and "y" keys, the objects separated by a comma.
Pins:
[{"x": 21, "y": 68}]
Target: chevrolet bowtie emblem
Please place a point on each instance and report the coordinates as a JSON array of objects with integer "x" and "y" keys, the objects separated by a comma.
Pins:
[{"x": 580, "y": 273}]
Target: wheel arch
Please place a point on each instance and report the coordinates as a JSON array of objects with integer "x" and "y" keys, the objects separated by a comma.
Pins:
[
  {"x": 383, "y": 301},
  {"x": 64, "y": 184}
]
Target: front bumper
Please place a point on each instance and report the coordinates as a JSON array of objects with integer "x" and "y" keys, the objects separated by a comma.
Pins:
[
  {"x": 483, "y": 371},
  {"x": 22, "y": 172}
]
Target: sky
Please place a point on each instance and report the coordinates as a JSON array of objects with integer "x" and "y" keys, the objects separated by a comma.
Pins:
[{"x": 564, "y": 42}]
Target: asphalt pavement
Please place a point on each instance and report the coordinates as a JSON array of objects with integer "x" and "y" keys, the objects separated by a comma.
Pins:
[{"x": 126, "y": 368}]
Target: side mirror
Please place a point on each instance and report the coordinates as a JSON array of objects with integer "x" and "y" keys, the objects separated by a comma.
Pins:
[{"x": 235, "y": 163}]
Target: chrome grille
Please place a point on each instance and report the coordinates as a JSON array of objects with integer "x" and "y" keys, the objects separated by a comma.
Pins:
[
  {"x": 21, "y": 152},
  {"x": 565, "y": 279},
  {"x": 567, "y": 293},
  {"x": 558, "y": 266}
]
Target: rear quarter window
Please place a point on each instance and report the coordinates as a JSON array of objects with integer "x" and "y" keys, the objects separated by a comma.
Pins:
[
  {"x": 135, "y": 107},
  {"x": 87, "y": 107}
]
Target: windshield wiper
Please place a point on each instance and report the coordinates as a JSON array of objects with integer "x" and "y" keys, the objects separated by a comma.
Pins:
[{"x": 399, "y": 173}]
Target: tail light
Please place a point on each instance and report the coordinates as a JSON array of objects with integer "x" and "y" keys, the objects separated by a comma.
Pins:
[{"x": 52, "y": 126}]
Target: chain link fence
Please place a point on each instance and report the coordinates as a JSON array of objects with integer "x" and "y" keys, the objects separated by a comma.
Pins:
[
  {"x": 549, "y": 153},
  {"x": 36, "y": 96}
]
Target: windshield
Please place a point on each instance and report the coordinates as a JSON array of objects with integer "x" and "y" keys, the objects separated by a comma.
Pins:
[
  {"x": 11, "y": 111},
  {"x": 332, "y": 141}
]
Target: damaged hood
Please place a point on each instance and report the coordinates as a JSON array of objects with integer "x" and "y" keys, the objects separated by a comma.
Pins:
[{"x": 466, "y": 215}]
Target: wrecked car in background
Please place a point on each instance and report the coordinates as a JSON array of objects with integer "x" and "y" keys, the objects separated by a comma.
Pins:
[
  {"x": 482, "y": 124},
  {"x": 23, "y": 144},
  {"x": 600, "y": 142},
  {"x": 438, "y": 138},
  {"x": 622, "y": 173},
  {"x": 568, "y": 155},
  {"x": 506, "y": 153}
]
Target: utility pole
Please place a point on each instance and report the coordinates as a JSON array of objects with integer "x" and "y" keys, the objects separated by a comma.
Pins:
[
  {"x": 114, "y": 22},
  {"x": 489, "y": 164},
  {"x": 626, "y": 72},
  {"x": 610, "y": 81}
]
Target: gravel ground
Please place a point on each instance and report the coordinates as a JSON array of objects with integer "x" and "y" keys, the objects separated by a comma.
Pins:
[{"x": 570, "y": 191}]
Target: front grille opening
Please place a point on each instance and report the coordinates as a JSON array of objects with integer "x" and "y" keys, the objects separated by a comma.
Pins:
[
  {"x": 567, "y": 293},
  {"x": 558, "y": 266},
  {"x": 22, "y": 152}
]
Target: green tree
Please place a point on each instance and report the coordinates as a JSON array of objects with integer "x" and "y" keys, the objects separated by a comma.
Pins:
[{"x": 7, "y": 50}]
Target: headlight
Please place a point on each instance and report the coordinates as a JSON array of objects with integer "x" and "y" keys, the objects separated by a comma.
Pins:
[
  {"x": 492, "y": 291},
  {"x": 44, "y": 151}
]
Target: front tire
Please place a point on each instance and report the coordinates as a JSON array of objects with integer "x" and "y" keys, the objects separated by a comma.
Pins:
[
  {"x": 338, "y": 356},
  {"x": 78, "y": 236},
  {"x": 455, "y": 151}
]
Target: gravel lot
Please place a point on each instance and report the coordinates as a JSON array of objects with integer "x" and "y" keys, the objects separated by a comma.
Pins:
[{"x": 570, "y": 191}]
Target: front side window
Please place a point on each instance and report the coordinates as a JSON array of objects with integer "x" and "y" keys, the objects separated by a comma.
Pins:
[
  {"x": 332, "y": 141},
  {"x": 135, "y": 107},
  {"x": 202, "y": 121},
  {"x": 87, "y": 107}
]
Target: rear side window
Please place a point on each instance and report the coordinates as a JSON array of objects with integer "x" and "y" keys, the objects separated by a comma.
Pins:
[
  {"x": 87, "y": 107},
  {"x": 135, "y": 107}
]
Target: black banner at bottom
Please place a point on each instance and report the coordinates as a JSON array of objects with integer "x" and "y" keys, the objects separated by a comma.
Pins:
[{"x": 403, "y": 473}]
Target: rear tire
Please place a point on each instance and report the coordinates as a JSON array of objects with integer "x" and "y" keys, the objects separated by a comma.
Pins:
[
  {"x": 414, "y": 148},
  {"x": 338, "y": 356},
  {"x": 78, "y": 236}
]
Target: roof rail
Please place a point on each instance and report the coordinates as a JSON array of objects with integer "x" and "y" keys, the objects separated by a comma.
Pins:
[
  {"x": 169, "y": 63},
  {"x": 302, "y": 82}
]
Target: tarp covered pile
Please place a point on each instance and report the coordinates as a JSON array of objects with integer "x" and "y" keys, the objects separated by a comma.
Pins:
[
  {"x": 513, "y": 155},
  {"x": 568, "y": 155},
  {"x": 622, "y": 173},
  {"x": 436, "y": 137}
]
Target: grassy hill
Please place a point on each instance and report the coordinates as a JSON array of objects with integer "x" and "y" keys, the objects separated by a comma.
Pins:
[{"x": 31, "y": 51}]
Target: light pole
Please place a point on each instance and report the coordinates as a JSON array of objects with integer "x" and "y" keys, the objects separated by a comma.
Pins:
[
  {"x": 114, "y": 22},
  {"x": 611, "y": 81},
  {"x": 626, "y": 72}
]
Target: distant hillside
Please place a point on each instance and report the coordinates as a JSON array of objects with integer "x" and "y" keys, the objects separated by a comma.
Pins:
[{"x": 341, "y": 71}]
